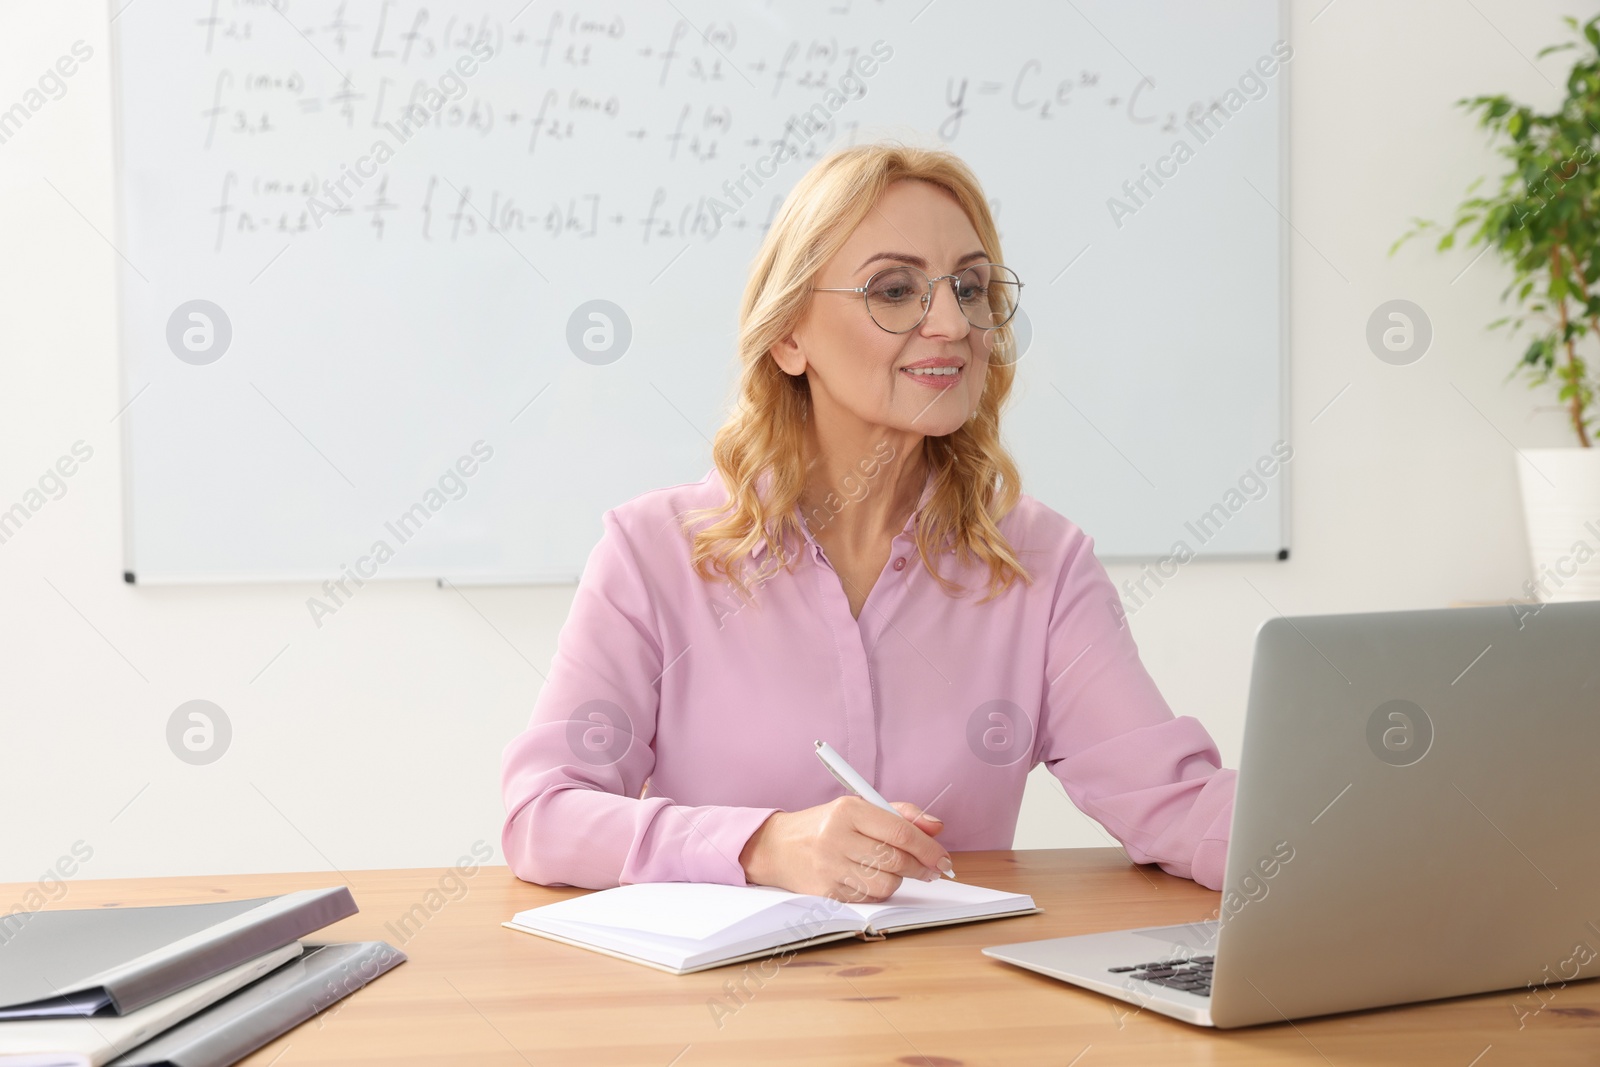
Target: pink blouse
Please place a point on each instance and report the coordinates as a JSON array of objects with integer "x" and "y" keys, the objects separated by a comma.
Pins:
[{"x": 676, "y": 719}]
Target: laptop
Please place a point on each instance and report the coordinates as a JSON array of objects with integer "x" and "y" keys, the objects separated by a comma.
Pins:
[{"x": 1414, "y": 819}]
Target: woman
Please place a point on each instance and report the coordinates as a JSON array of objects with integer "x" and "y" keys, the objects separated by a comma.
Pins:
[{"x": 829, "y": 592}]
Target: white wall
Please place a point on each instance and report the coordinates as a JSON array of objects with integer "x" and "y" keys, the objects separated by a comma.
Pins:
[{"x": 375, "y": 741}]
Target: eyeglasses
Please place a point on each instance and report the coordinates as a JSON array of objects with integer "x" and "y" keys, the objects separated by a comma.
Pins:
[{"x": 898, "y": 298}]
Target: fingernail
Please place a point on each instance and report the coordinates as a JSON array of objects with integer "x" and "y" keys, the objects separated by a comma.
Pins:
[
  {"x": 931, "y": 817},
  {"x": 946, "y": 866}
]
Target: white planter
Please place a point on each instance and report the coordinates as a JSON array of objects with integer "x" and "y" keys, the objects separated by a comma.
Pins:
[{"x": 1561, "y": 504}]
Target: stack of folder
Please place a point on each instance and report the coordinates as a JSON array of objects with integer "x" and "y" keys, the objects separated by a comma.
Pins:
[{"x": 193, "y": 985}]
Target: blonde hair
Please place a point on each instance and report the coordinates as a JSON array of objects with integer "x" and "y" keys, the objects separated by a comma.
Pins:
[{"x": 975, "y": 479}]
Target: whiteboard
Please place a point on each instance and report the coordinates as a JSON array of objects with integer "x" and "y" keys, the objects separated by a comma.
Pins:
[{"x": 331, "y": 347}]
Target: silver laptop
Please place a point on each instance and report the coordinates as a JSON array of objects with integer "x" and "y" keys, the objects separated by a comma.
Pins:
[{"x": 1415, "y": 818}]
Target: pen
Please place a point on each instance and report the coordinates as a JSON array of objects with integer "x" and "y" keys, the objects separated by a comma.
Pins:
[{"x": 851, "y": 779}]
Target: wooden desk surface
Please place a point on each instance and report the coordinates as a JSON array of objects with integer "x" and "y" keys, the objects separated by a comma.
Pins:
[{"x": 475, "y": 992}]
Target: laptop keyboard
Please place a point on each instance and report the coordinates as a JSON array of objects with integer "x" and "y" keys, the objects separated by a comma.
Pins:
[{"x": 1192, "y": 975}]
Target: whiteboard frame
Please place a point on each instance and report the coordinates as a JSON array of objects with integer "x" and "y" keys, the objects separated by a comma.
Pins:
[{"x": 562, "y": 576}]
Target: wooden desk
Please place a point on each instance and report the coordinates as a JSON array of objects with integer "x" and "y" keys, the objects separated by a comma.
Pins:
[{"x": 475, "y": 992}]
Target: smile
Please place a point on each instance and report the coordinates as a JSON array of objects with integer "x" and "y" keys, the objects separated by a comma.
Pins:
[{"x": 939, "y": 376}]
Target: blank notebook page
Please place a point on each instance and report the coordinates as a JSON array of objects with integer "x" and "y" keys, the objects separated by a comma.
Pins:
[
  {"x": 922, "y": 902},
  {"x": 693, "y": 911}
]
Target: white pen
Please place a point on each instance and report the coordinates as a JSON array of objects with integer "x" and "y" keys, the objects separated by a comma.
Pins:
[{"x": 851, "y": 779}]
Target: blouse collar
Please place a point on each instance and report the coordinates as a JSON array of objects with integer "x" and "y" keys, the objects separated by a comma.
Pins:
[{"x": 765, "y": 479}]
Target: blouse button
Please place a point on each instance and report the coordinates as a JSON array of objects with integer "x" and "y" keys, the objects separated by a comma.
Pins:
[{"x": 900, "y": 564}]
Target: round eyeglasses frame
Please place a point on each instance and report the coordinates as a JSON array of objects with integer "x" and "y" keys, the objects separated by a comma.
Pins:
[{"x": 927, "y": 299}]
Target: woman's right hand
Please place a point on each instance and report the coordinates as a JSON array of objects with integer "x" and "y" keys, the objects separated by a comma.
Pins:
[{"x": 847, "y": 849}]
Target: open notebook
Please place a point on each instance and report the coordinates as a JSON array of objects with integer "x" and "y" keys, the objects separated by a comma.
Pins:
[{"x": 682, "y": 927}]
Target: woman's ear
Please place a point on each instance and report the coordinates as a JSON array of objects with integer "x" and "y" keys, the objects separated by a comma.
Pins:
[{"x": 786, "y": 354}]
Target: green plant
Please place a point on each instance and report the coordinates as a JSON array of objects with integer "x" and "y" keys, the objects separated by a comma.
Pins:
[{"x": 1544, "y": 222}]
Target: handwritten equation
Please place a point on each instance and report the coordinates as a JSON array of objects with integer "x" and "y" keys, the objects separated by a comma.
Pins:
[
  {"x": 518, "y": 113},
  {"x": 448, "y": 212},
  {"x": 369, "y": 56}
]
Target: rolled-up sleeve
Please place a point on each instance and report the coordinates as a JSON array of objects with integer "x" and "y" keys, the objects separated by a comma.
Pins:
[
  {"x": 1154, "y": 781},
  {"x": 572, "y": 781}
]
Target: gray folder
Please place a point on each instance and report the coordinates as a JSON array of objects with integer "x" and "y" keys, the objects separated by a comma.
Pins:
[
  {"x": 236, "y": 1026},
  {"x": 90, "y": 961}
]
